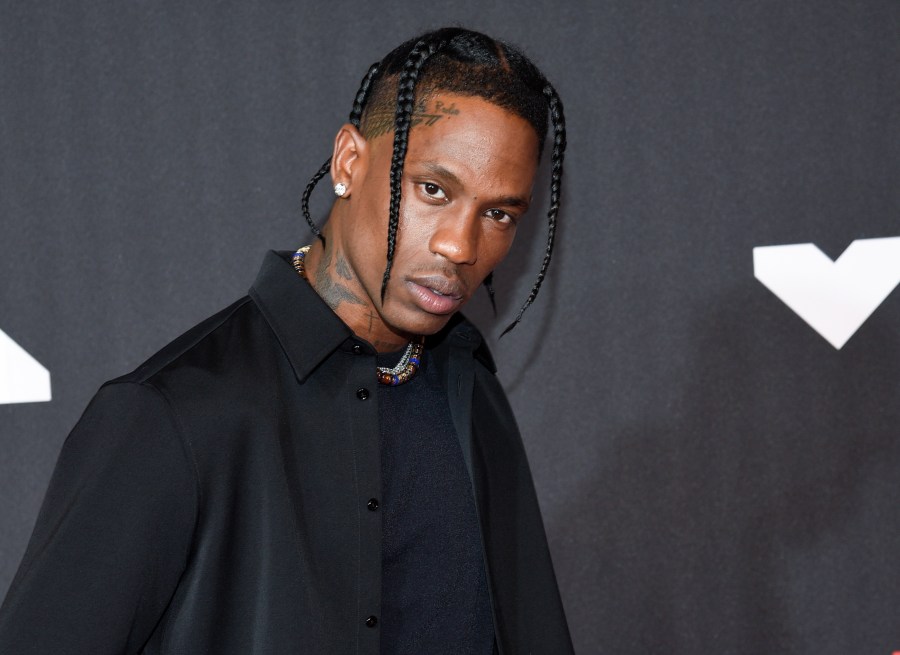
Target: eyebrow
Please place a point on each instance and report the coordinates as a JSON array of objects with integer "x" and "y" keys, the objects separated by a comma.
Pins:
[{"x": 442, "y": 172}]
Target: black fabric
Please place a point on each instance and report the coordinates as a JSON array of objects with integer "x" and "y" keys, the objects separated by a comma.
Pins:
[
  {"x": 434, "y": 595},
  {"x": 215, "y": 499}
]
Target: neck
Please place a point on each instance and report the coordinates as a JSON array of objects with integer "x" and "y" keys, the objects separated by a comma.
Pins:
[{"x": 329, "y": 273}]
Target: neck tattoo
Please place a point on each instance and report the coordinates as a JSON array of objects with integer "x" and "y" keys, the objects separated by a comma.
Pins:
[{"x": 407, "y": 366}]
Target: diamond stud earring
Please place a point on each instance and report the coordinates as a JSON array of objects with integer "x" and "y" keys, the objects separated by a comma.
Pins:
[{"x": 340, "y": 189}]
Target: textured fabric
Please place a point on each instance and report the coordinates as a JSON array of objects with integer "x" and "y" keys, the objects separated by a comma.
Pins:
[
  {"x": 434, "y": 595},
  {"x": 215, "y": 499}
]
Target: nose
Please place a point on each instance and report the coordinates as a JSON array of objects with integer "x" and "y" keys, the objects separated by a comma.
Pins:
[{"x": 456, "y": 239}]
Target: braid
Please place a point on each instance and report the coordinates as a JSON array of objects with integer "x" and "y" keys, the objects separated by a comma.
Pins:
[
  {"x": 406, "y": 87},
  {"x": 556, "y": 169},
  {"x": 358, "y": 104},
  {"x": 307, "y": 192}
]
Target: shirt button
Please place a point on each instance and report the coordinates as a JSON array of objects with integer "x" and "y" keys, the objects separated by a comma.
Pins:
[
  {"x": 362, "y": 393},
  {"x": 372, "y": 621},
  {"x": 372, "y": 504},
  {"x": 357, "y": 349}
]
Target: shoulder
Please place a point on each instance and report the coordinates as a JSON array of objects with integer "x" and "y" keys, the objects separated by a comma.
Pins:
[
  {"x": 206, "y": 340},
  {"x": 213, "y": 376}
]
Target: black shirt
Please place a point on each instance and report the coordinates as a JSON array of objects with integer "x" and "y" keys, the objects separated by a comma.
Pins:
[{"x": 214, "y": 501}]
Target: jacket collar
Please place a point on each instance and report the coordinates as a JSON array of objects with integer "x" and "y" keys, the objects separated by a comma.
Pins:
[{"x": 309, "y": 331}]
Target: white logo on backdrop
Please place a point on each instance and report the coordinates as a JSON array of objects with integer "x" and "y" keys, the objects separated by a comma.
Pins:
[
  {"x": 22, "y": 378},
  {"x": 834, "y": 297}
]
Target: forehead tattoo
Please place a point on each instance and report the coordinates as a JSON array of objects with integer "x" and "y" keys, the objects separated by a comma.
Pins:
[{"x": 380, "y": 120}]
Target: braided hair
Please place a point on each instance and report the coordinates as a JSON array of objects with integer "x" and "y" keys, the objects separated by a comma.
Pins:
[{"x": 460, "y": 61}]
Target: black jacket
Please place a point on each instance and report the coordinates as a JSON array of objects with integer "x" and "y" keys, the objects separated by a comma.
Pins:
[{"x": 216, "y": 499}]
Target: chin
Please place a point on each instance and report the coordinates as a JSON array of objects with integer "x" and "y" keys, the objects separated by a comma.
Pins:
[{"x": 420, "y": 323}]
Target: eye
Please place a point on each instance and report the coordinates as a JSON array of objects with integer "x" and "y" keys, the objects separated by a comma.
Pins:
[
  {"x": 500, "y": 216},
  {"x": 433, "y": 190}
]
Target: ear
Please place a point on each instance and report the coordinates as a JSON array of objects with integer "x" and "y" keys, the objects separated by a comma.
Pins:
[{"x": 350, "y": 158}]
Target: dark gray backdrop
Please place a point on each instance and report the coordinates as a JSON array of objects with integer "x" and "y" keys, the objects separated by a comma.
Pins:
[{"x": 715, "y": 477}]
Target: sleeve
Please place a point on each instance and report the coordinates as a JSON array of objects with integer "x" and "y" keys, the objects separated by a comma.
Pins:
[{"x": 113, "y": 535}]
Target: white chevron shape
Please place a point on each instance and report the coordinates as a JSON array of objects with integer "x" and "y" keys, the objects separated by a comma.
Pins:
[
  {"x": 22, "y": 378},
  {"x": 834, "y": 297}
]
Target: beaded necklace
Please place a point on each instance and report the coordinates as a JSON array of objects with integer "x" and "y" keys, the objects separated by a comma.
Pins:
[{"x": 407, "y": 366}]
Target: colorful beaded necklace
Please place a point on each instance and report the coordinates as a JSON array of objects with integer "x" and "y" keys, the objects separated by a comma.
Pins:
[{"x": 407, "y": 366}]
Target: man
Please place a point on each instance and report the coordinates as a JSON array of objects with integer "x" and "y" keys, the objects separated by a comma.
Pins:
[{"x": 329, "y": 465}]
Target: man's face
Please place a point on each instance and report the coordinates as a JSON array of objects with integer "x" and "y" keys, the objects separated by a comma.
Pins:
[{"x": 467, "y": 181}]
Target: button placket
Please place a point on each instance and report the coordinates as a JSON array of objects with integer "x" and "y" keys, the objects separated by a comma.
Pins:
[{"x": 363, "y": 423}]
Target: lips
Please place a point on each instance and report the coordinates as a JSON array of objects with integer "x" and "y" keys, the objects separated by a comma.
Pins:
[{"x": 436, "y": 294}]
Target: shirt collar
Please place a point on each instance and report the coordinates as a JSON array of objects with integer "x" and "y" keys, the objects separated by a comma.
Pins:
[
  {"x": 305, "y": 326},
  {"x": 460, "y": 332}
]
